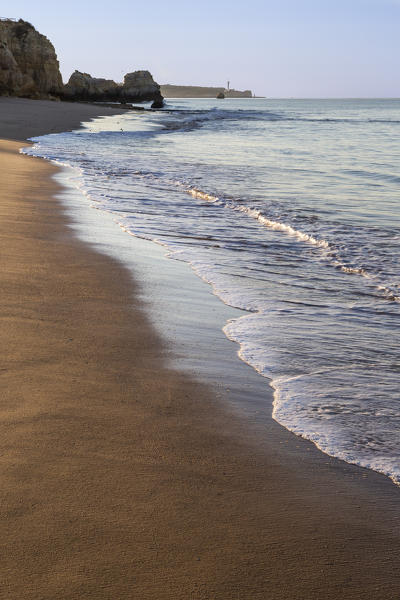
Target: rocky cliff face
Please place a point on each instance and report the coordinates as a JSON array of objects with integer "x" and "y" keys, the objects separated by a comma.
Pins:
[
  {"x": 28, "y": 62},
  {"x": 138, "y": 86},
  {"x": 29, "y": 68}
]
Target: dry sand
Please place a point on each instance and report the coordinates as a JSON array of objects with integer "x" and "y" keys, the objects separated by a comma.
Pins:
[{"x": 121, "y": 479}]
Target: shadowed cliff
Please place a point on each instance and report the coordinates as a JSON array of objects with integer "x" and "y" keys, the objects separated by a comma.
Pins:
[
  {"x": 29, "y": 68},
  {"x": 28, "y": 62},
  {"x": 138, "y": 86}
]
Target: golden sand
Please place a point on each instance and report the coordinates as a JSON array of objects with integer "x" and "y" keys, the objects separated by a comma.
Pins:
[{"x": 121, "y": 479}]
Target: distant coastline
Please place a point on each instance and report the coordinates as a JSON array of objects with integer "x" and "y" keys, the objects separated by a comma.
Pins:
[{"x": 195, "y": 91}]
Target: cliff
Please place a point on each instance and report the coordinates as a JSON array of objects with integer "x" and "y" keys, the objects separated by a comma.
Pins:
[
  {"x": 28, "y": 62},
  {"x": 29, "y": 68},
  {"x": 138, "y": 86},
  {"x": 191, "y": 91}
]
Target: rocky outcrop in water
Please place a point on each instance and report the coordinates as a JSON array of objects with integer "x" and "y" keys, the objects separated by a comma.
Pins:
[
  {"x": 137, "y": 87},
  {"x": 28, "y": 62}
]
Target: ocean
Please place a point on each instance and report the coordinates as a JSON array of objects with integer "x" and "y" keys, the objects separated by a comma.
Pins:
[{"x": 290, "y": 209}]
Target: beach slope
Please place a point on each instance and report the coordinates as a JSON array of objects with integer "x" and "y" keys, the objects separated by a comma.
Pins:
[
  {"x": 121, "y": 478},
  {"x": 21, "y": 118}
]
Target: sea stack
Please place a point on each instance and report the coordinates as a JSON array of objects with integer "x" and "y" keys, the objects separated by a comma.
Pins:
[
  {"x": 82, "y": 86},
  {"x": 138, "y": 86}
]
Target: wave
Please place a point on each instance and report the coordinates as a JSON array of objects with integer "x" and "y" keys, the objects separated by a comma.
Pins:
[
  {"x": 342, "y": 120},
  {"x": 389, "y": 292},
  {"x": 330, "y": 250},
  {"x": 262, "y": 218},
  {"x": 193, "y": 119},
  {"x": 382, "y": 177},
  {"x": 318, "y": 340}
]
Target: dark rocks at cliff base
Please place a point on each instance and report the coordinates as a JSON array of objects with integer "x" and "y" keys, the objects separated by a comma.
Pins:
[
  {"x": 220, "y": 96},
  {"x": 138, "y": 86},
  {"x": 28, "y": 62},
  {"x": 158, "y": 102}
]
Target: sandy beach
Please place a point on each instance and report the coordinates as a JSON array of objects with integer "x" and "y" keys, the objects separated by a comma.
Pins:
[{"x": 122, "y": 478}]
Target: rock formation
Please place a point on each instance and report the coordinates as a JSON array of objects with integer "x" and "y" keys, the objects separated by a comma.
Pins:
[
  {"x": 29, "y": 68},
  {"x": 82, "y": 86},
  {"x": 137, "y": 87},
  {"x": 28, "y": 62}
]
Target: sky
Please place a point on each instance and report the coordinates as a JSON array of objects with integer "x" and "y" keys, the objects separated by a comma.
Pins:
[{"x": 278, "y": 49}]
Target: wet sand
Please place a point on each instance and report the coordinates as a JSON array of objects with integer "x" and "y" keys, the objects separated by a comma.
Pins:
[
  {"x": 21, "y": 118},
  {"x": 121, "y": 477}
]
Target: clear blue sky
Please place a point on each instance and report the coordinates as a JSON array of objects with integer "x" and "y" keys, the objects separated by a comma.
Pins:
[{"x": 285, "y": 48}]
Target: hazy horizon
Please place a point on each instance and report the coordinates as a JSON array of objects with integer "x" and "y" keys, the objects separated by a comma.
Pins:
[{"x": 305, "y": 49}]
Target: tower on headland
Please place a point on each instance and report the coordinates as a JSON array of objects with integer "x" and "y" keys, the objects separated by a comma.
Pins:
[{"x": 227, "y": 86}]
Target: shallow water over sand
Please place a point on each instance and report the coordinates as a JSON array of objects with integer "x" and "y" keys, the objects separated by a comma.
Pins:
[{"x": 290, "y": 209}]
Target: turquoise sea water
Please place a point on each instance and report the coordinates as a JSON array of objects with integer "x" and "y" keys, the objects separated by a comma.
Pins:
[{"x": 291, "y": 210}]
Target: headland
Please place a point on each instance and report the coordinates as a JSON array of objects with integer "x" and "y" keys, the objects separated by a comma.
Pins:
[{"x": 196, "y": 91}]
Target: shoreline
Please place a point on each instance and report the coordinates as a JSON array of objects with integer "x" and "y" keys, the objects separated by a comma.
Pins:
[
  {"x": 125, "y": 478},
  {"x": 22, "y": 118}
]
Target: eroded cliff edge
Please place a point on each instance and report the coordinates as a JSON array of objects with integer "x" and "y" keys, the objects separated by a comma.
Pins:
[{"x": 28, "y": 62}]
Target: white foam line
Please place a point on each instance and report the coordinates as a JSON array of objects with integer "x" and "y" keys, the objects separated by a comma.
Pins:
[
  {"x": 320, "y": 442},
  {"x": 274, "y": 383},
  {"x": 258, "y": 216},
  {"x": 291, "y": 231}
]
